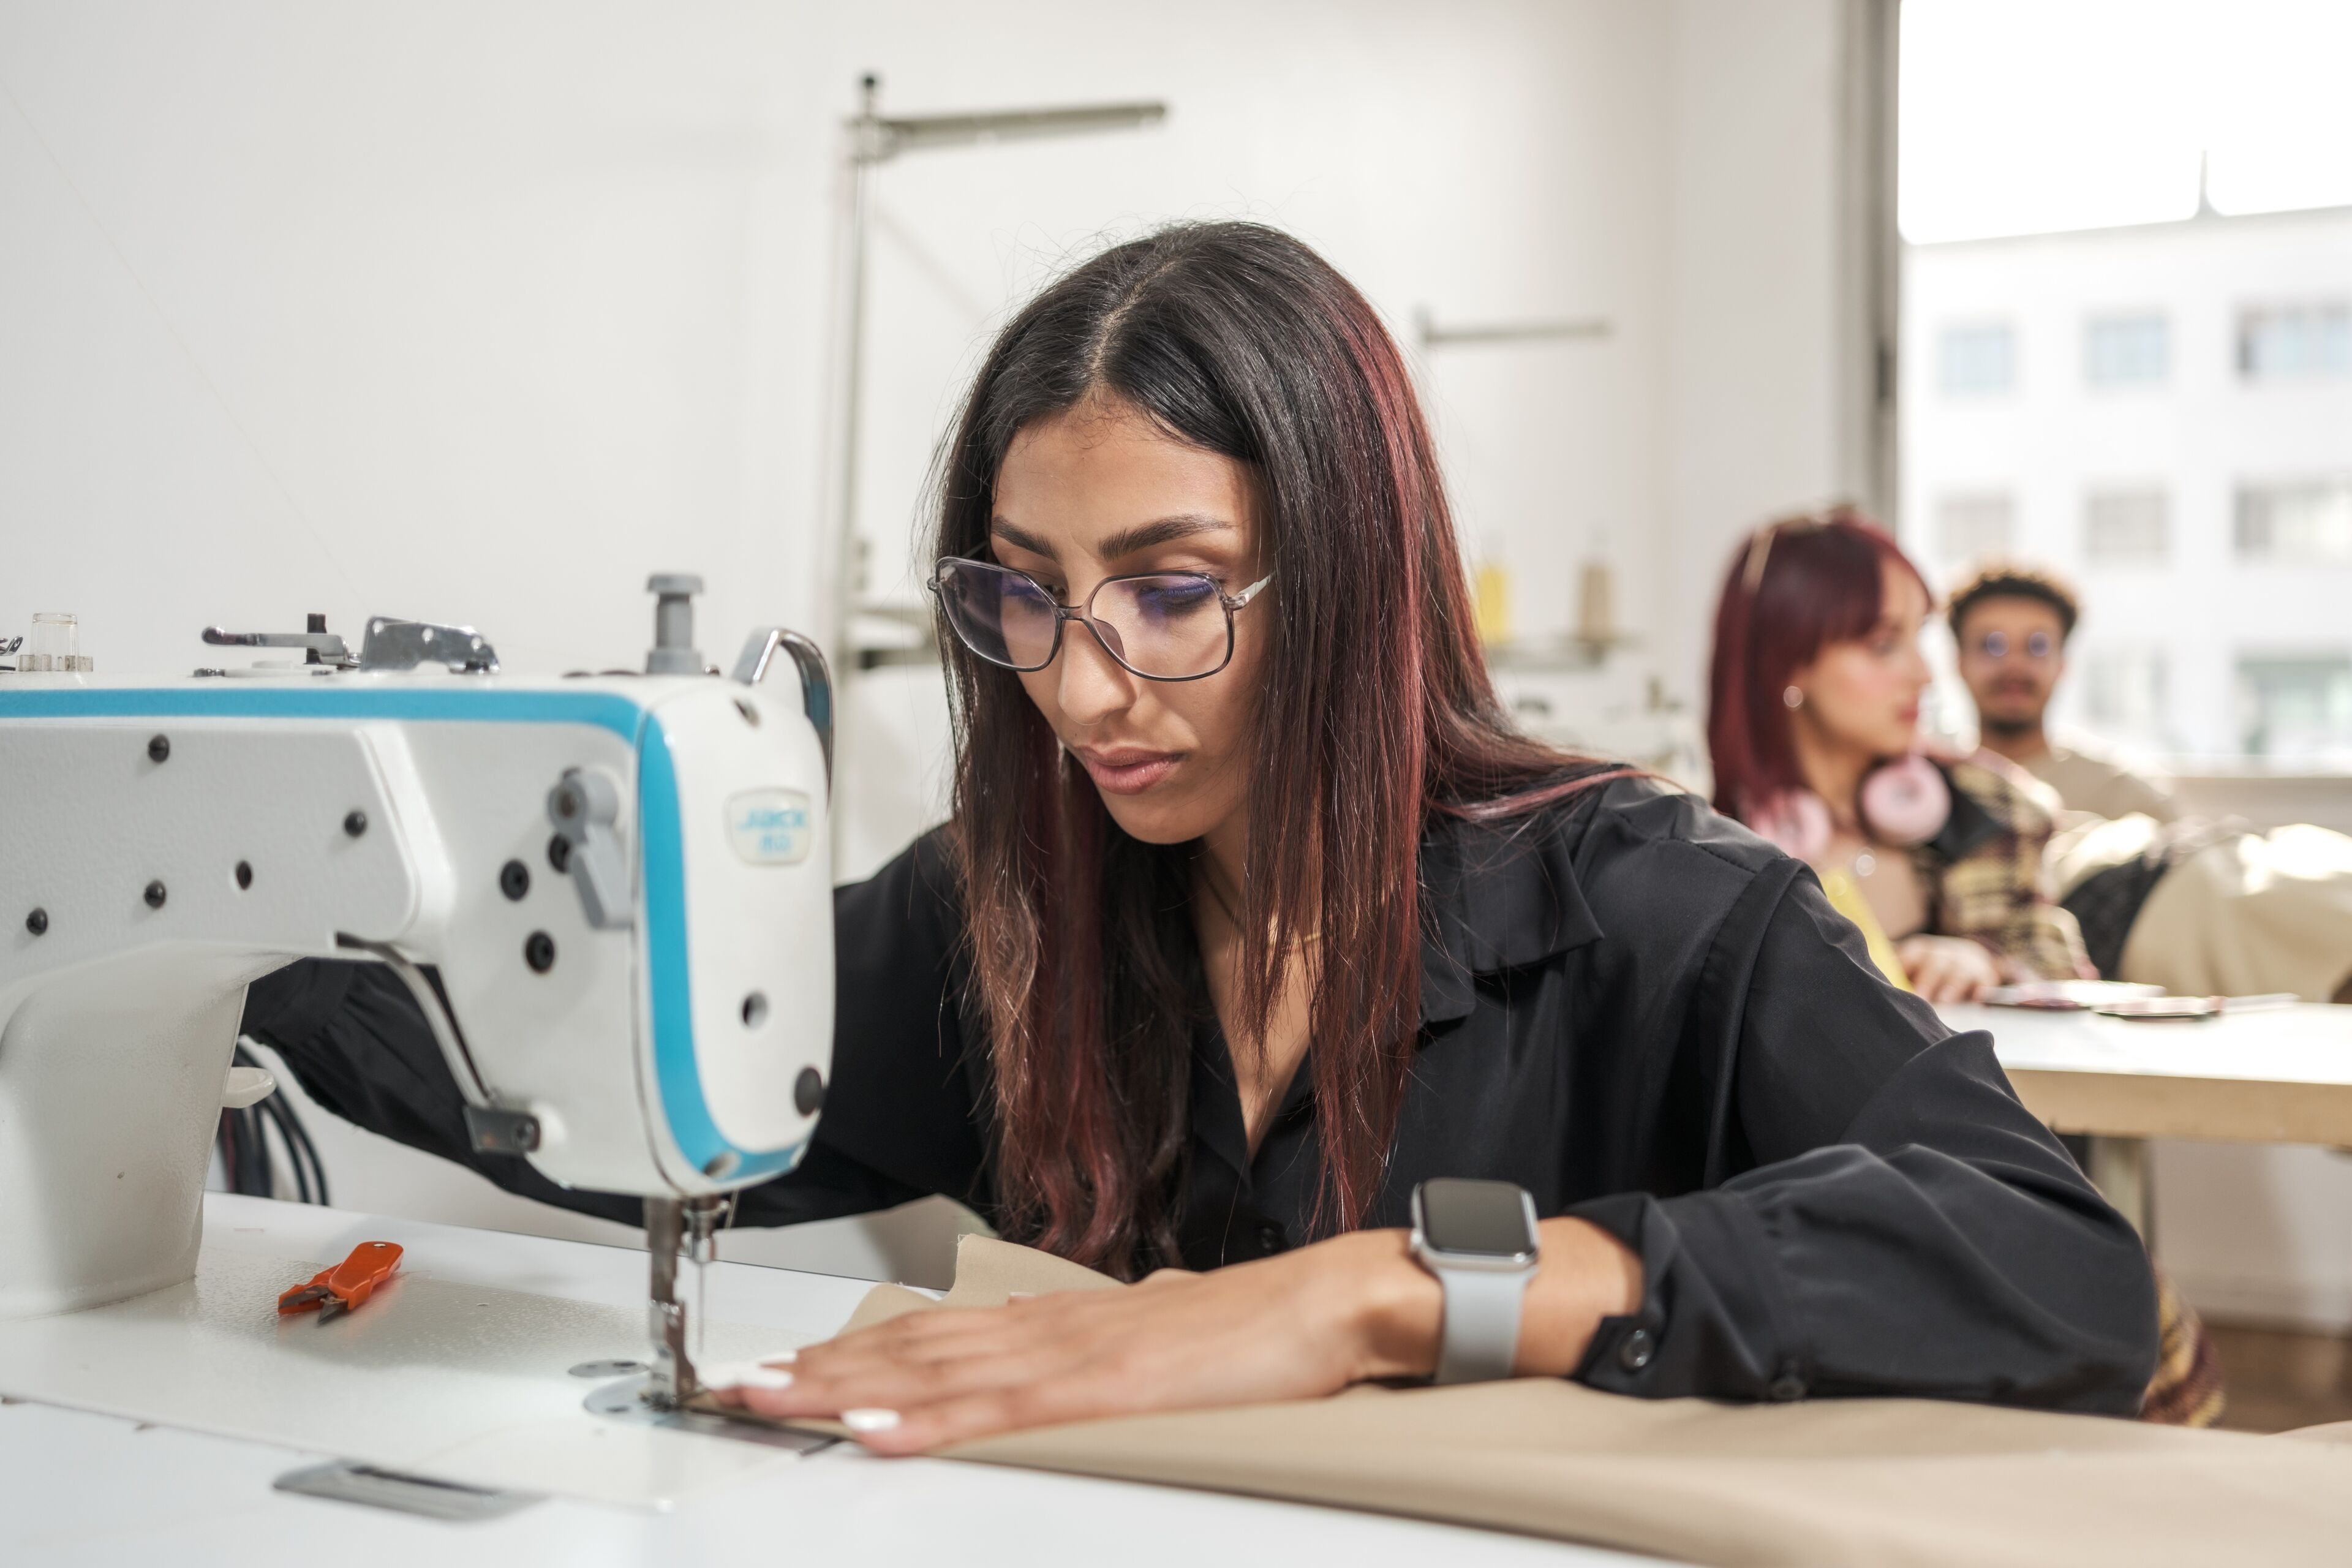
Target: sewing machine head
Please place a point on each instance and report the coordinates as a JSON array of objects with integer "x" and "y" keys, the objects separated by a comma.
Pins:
[{"x": 622, "y": 885}]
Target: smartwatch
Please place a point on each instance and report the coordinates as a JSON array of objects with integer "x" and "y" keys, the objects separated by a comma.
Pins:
[{"x": 1479, "y": 1239}]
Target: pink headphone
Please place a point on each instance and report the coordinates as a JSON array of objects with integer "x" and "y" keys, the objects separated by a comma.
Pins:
[{"x": 1904, "y": 802}]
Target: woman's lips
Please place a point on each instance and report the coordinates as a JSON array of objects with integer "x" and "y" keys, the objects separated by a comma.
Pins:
[{"x": 1128, "y": 772}]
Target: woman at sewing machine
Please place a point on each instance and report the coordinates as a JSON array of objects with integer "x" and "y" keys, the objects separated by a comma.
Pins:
[{"x": 1254, "y": 915}]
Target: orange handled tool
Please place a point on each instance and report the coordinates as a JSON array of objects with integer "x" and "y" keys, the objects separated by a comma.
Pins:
[{"x": 334, "y": 1291}]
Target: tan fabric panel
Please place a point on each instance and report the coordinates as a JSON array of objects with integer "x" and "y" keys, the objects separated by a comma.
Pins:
[
  {"x": 1878, "y": 1482},
  {"x": 2256, "y": 913}
]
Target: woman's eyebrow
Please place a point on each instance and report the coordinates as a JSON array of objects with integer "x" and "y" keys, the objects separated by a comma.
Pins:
[
  {"x": 1021, "y": 539},
  {"x": 1166, "y": 530}
]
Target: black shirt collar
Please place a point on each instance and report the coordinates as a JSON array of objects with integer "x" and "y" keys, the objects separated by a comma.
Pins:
[{"x": 1495, "y": 896}]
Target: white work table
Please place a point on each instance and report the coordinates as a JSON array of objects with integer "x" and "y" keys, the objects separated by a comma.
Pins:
[
  {"x": 95, "y": 1486},
  {"x": 84, "y": 1479},
  {"x": 2276, "y": 1076}
]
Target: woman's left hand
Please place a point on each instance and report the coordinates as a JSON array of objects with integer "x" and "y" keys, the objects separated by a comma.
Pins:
[
  {"x": 1298, "y": 1326},
  {"x": 1947, "y": 968}
]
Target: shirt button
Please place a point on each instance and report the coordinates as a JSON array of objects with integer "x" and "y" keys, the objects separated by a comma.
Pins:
[
  {"x": 1270, "y": 1237},
  {"x": 1634, "y": 1352},
  {"x": 1786, "y": 1387}
]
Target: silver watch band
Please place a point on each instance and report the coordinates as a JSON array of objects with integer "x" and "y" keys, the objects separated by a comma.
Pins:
[{"x": 1480, "y": 1337}]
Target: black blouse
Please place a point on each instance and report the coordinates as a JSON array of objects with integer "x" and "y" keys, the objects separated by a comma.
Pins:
[{"x": 1630, "y": 1007}]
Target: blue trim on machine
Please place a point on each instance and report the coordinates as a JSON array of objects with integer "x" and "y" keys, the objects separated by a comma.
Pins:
[
  {"x": 239, "y": 699},
  {"x": 662, "y": 849},
  {"x": 676, "y": 1073}
]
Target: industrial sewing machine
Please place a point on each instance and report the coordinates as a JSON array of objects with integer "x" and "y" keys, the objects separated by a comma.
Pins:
[{"x": 622, "y": 883}]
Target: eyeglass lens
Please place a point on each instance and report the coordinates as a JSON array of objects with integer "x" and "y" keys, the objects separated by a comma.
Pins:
[
  {"x": 1996, "y": 644},
  {"x": 1170, "y": 625}
]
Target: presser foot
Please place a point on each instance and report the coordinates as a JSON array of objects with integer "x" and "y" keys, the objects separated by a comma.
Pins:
[{"x": 627, "y": 1401}]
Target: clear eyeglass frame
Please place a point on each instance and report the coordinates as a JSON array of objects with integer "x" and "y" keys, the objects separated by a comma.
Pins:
[{"x": 1084, "y": 614}]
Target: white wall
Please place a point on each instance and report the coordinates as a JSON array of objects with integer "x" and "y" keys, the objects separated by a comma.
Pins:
[
  {"x": 481, "y": 313},
  {"x": 1763, "y": 301},
  {"x": 2256, "y": 1233}
]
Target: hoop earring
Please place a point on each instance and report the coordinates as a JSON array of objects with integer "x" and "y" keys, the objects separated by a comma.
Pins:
[{"x": 1793, "y": 697}]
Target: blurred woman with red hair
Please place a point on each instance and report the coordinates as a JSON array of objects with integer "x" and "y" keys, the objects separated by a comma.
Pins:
[{"x": 1814, "y": 727}]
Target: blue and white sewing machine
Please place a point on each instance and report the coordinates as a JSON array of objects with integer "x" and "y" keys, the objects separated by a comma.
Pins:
[{"x": 622, "y": 884}]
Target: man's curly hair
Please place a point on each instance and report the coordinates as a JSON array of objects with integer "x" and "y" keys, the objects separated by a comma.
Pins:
[{"x": 2015, "y": 579}]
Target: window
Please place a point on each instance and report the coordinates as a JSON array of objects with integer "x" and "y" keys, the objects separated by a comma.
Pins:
[
  {"x": 2123, "y": 694},
  {"x": 1969, "y": 527},
  {"x": 2153, "y": 204},
  {"x": 2126, "y": 351},
  {"x": 2308, "y": 524},
  {"x": 2290, "y": 704},
  {"x": 2283, "y": 341},
  {"x": 2126, "y": 527},
  {"x": 1977, "y": 360}
]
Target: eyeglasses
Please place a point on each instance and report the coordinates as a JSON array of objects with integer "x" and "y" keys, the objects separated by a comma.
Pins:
[
  {"x": 1997, "y": 645},
  {"x": 1161, "y": 625}
]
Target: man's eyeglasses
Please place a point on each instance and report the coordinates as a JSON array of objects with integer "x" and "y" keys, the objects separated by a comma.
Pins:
[
  {"x": 1161, "y": 625},
  {"x": 2036, "y": 646}
]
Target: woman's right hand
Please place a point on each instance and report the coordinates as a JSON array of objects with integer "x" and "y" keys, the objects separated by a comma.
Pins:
[{"x": 1948, "y": 968}]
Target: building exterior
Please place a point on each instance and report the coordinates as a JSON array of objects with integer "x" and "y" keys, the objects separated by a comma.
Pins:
[{"x": 2164, "y": 413}]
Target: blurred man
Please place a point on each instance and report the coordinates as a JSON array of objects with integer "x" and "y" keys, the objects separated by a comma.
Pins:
[
  {"x": 2012, "y": 623},
  {"x": 2199, "y": 907}
]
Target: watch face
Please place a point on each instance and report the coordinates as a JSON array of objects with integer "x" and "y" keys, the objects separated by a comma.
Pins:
[{"x": 1483, "y": 1218}]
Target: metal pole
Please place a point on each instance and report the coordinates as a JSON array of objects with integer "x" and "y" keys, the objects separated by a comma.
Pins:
[{"x": 868, "y": 147}]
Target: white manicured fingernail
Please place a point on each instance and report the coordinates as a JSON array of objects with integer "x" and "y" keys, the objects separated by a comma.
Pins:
[
  {"x": 869, "y": 1420},
  {"x": 780, "y": 1358},
  {"x": 743, "y": 1375}
]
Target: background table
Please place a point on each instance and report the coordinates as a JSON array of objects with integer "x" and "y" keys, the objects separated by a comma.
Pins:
[
  {"x": 2277, "y": 1076},
  {"x": 2283, "y": 1076}
]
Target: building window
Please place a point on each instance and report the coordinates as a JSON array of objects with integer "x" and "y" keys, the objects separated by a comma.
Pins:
[
  {"x": 2126, "y": 351},
  {"x": 2295, "y": 704},
  {"x": 2308, "y": 524},
  {"x": 2287, "y": 341},
  {"x": 1975, "y": 361},
  {"x": 2126, "y": 527},
  {"x": 2123, "y": 694},
  {"x": 1971, "y": 526}
]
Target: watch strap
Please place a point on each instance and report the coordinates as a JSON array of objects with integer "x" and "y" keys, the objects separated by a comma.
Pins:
[{"x": 1479, "y": 1340}]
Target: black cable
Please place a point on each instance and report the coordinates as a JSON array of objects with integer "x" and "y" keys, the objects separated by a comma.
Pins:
[
  {"x": 260, "y": 1169},
  {"x": 311, "y": 1186},
  {"x": 237, "y": 1152},
  {"x": 277, "y": 1115},
  {"x": 225, "y": 1144},
  {"x": 291, "y": 1122},
  {"x": 289, "y": 1127},
  {"x": 248, "y": 1165}
]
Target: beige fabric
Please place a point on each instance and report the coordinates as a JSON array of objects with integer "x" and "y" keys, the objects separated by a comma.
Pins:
[
  {"x": 2087, "y": 779},
  {"x": 1881, "y": 1481},
  {"x": 2251, "y": 914},
  {"x": 2094, "y": 844}
]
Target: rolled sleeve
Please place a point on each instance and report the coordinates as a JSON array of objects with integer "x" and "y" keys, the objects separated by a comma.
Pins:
[{"x": 1905, "y": 1227}]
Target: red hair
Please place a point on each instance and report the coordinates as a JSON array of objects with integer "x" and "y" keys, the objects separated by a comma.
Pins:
[{"x": 1794, "y": 587}]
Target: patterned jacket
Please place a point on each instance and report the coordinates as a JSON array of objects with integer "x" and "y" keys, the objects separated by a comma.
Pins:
[{"x": 1983, "y": 872}]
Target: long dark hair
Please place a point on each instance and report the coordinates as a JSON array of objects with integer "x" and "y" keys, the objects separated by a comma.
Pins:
[
  {"x": 1793, "y": 587},
  {"x": 1237, "y": 340}
]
